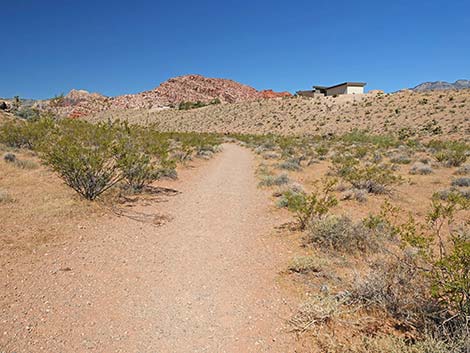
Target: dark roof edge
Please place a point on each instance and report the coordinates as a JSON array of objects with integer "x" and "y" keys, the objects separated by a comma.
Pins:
[{"x": 353, "y": 84}]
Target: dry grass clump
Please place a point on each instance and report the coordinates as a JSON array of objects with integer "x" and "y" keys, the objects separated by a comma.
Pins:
[
  {"x": 317, "y": 311},
  {"x": 271, "y": 180},
  {"x": 400, "y": 159},
  {"x": 355, "y": 194},
  {"x": 292, "y": 164},
  {"x": 342, "y": 234},
  {"x": 20, "y": 163},
  {"x": 398, "y": 288},
  {"x": 391, "y": 344},
  {"x": 5, "y": 197},
  {"x": 306, "y": 264}
]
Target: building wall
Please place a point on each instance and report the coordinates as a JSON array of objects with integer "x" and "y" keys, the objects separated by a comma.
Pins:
[
  {"x": 355, "y": 90},
  {"x": 344, "y": 89},
  {"x": 337, "y": 90}
]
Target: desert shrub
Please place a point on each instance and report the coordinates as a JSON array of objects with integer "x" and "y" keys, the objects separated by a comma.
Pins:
[
  {"x": 421, "y": 169},
  {"x": 30, "y": 134},
  {"x": 450, "y": 193},
  {"x": 399, "y": 288},
  {"x": 137, "y": 167},
  {"x": 449, "y": 153},
  {"x": 355, "y": 194},
  {"x": 26, "y": 164},
  {"x": 463, "y": 170},
  {"x": 462, "y": 182},
  {"x": 309, "y": 207},
  {"x": 167, "y": 171},
  {"x": 9, "y": 158},
  {"x": 342, "y": 234},
  {"x": 84, "y": 156},
  {"x": 394, "y": 344},
  {"x": 5, "y": 196},
  {"x": 374, "y": 178},
  {"x": 270, "y": 155},
  {"x": 270, "y": 180},
  {"x": 400, "y": 159},
  {"x": 292, "y": 164},
  {"x": 451, "y": 158},
  {"x": 23, "y": 164},
  {"x": 450, "y": 276},
  {"x": 317, "y": 311},
  {"x": 358, "y": 137},
  {"x": 438, "y": 271},
  {"x": 27, "y": 113},
  {"x": 286, "y": 193},
  {"x": 198, "y": 104},
  {"x": 306, "y": 264}
]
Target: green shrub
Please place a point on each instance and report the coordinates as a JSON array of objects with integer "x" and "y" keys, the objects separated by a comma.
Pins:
[
  {"x": 84, "y": 156},
  {"x": 26, "y": 134},
  {"x": 308, "y": 207},
  {"x": 136, "y": 167},
  {"x": 451, "y": 158},
  {"x": 372, "y": 177},
  {"x": 450, "y": 153}
]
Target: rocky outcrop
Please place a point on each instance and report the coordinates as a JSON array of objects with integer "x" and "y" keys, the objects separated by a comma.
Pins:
[
  {"x": 189, "y": 88},
  {"x": 269, "y": 93}
]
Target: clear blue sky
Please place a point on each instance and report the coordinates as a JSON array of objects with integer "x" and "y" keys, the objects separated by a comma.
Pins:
[{"x": 117, "y": 47}]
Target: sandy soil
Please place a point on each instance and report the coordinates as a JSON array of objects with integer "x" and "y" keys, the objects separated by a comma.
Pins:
[{"x": 206, "y": 281}]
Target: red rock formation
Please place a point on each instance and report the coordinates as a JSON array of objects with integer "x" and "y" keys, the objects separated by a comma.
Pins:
[
  {"x": 269, "y": 93},
  {"x": 189, "y": 88}
]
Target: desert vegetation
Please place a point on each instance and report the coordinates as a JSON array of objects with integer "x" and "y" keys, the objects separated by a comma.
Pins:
[
  {"x": 402, "y": 113},
  {"x": 383, "y": 223},
  {"x": 94, "y": 158},
  {"x": 380, "y": 221}
]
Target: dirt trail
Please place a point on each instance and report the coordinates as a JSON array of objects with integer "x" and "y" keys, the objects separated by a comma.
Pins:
[{"x": 204, "y": 282}]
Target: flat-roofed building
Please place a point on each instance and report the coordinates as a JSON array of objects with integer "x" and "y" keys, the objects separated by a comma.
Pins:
[{"x": 342, "y": 88}]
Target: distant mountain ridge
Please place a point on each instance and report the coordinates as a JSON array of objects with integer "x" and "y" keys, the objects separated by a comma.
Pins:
[{"x": 441, "y": 86}]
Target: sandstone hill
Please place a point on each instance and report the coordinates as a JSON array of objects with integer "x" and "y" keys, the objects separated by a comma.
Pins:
[
  {"x": 189, "y": 88},
  {"x": 437, "y": 113}
]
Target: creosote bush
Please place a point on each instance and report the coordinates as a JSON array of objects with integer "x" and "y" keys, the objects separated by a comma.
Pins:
[
  {"x": 85, "y": 158},
  {"x": 93, "y": 158},
  {"x": 313, "y": 206}
]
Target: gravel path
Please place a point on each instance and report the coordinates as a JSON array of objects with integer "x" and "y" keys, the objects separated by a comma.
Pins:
[{"x": 203, "y": 282}]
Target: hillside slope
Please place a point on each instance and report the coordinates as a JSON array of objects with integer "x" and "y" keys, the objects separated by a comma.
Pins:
[{"x": 427, "y": 114}]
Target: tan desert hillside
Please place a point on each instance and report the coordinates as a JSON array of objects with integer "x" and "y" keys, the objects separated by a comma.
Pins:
[{"x": 445, "y": 113}]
